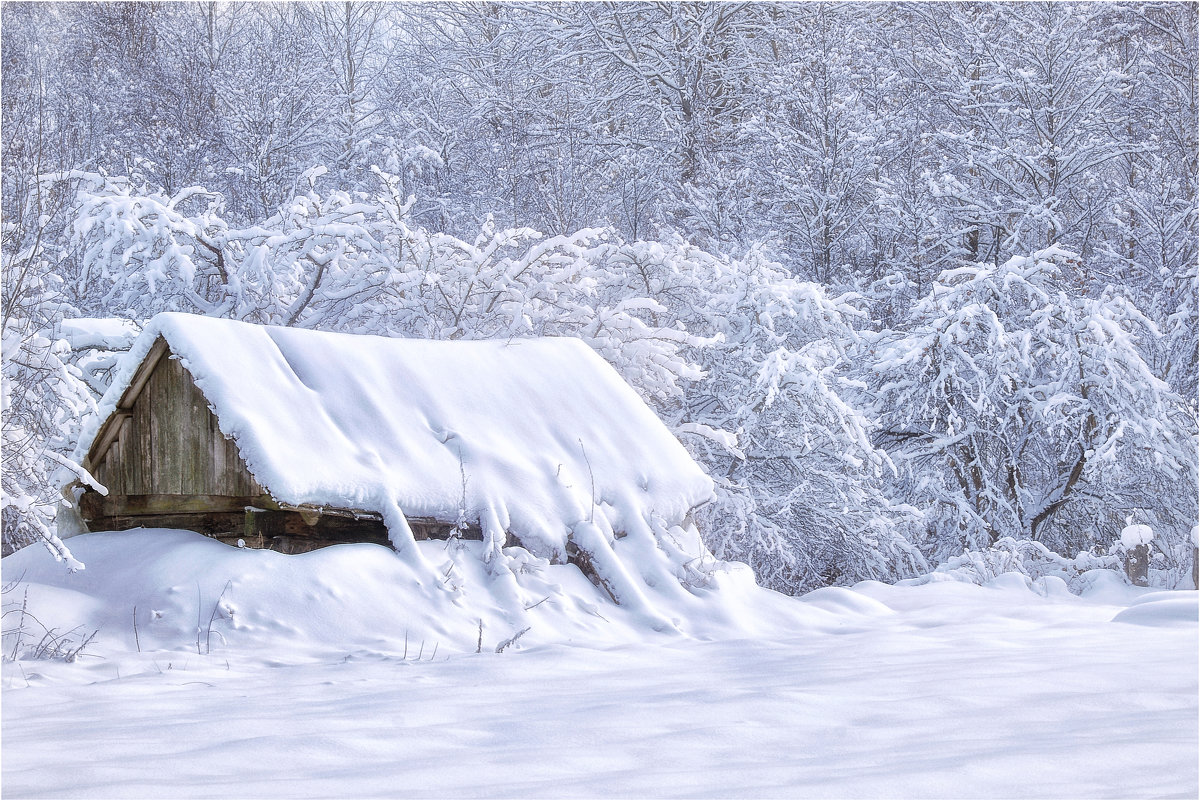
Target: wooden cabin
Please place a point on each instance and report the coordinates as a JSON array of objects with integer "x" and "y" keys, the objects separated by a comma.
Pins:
[
  {"x": 292, "y": 440},
  {"x": 166, "y": 464}
]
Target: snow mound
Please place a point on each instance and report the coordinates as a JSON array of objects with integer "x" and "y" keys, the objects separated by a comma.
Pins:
[
  {"x": 166, "y": 590},
  {"x": 1162, "y": 609},
  {"x": 1135, "y": 535},
  {"x": 846, "y": 602}
]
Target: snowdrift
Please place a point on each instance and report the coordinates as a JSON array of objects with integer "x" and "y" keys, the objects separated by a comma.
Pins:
[
  {"x": 167, "y": 590},
  {"x": 161, "y": 591},
  {"x": 344, "y": 673}
]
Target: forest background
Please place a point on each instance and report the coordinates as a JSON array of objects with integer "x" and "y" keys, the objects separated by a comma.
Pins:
[{"x": 916, "y": 283}]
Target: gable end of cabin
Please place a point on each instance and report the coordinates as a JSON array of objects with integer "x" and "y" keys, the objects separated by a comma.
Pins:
[{"x": 166, "y": 464}]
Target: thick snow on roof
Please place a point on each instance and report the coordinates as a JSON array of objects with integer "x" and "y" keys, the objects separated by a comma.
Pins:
[{"x": 537, "y": 437}]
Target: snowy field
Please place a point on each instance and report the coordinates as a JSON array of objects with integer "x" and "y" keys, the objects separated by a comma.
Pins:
[{"x": 304, "y": 688}]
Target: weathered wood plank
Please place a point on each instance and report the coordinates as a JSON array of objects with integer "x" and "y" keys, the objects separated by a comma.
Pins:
[
  {"x": 93, "y": 504},
  {"x": 137, "y": 447},
  {"x": 149, "y": 465},
  {"x": 100, "y": 472},
  {"x": 301, "y": 518},
  {"x": 215, "y": 464},
  {"x": 233, "y": 461},
  {"x": 282, "y": 531},
  {"x": 171, "y": 414},
  {"x": 156, "y": 391},
  {"x": 253, "y": 485},
  {"x": 126, "y": 458},
  {"x": 142, "y": 376},
  {"x": 222, "y": 514},
  {"x": 152, "y": 396},
  {"x": 113, "y": 462},
  {"x": 110, "y": 464},
  {"x": 182, "y": 413},
  {"x": 194, "y": 436},
  {"x": 98, "y": 453},
  {"x": 243, "y": 480},
  {"x": 209, "y": 523}
]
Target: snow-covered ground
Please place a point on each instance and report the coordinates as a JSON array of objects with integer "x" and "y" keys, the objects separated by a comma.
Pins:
[{"x": 304, "y": 688}]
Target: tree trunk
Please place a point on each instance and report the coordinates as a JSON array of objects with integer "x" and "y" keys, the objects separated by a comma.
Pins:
[{"x": 1137, "y": 565}]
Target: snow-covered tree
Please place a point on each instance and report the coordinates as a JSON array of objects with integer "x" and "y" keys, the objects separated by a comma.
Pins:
[
  {"x": 44, "y": 397},
  {"x": 802, "y": 498},
  {"x": 817, "y": 143},
  {"x": 1019, "y": 409}
]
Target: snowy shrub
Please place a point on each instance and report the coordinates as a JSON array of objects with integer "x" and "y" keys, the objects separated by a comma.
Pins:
[
  {"x": 1018, "y": 409},
  {"x": 801, "y": 497},
  {"x": 1033, "y": 560},
  {"x": 1029, "y": 559},
  {"x": 44, "y": 398},
  {"x": 97, "y": 346}
]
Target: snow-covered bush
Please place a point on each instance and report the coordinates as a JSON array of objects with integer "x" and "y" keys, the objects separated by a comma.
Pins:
[
  {"x": 351, "y": 262},
  {"x": 801, "y": 497},
  {"x": 1169, "y": 566},
  {"x": 97, "y": 345},
  {"x": 43, "y": 400},
  {"x": 44, "y": 397},
  {"x": 1029, "y": 559},
  {"x": 1019, "y": 409}
]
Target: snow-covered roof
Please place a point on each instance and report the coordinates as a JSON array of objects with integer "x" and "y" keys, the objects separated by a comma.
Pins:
[{"x": 530, "y": 435}]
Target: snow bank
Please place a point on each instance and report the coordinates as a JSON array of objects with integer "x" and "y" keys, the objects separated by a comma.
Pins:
[
  {"x": 163, "y": 591},
  {"x": 167, "y": 590},
  {"x": 321, "y": 669},
  {"x": 538, "y": 438},
  {"x": 1163, "y": 609}
]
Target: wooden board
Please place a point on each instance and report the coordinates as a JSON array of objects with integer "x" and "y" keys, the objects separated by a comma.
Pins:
[
  {"x": 281, "y": 531},
  {"x": 93, "y": 505},
  {"x": 172, "y": 420}
]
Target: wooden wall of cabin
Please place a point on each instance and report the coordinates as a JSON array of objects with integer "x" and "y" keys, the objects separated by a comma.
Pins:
[
  {"x": 169, "y": 466},
  {"x": 170, "y": 444}
]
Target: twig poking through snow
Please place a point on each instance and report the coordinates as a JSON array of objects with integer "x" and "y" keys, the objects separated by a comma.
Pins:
[
  {"x": 511, "y": 640},
  {"x": 592, "y": 478}
]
